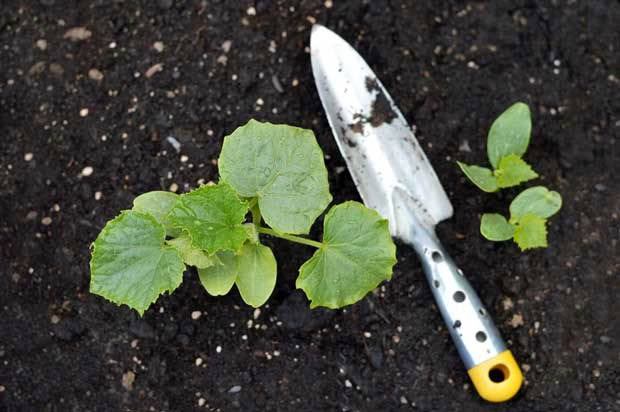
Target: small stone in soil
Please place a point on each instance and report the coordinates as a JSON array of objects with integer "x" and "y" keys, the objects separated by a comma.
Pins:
[
  {"x": 87, "y": 171},
  {"x": 84, "y": 112},
  {"x": 128, "y": 378},
  {"x": 41, "y": 44},
  {"x": 95, "y": 74},
  {"x": 46, "y": 221},
  {"x": 196, "y": 314},
  {"x": 158, "y": 46},
  {"x": 235, "y": 389},
  {"x": 28, "y": 156}
]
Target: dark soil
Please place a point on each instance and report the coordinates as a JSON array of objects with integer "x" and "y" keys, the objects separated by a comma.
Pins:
[{"x": 451, "y": 66}]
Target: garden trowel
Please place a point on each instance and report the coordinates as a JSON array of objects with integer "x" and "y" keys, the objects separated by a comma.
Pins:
[{"x": 394, "y": 177}]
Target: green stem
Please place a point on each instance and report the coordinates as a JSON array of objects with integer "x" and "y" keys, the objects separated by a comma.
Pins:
[{"x": 292, "y": 238}]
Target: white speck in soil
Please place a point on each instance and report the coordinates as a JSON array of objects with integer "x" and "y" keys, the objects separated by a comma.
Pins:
[
  {"x": 196, "y": 314},
  {"x": 46, "y": 221},
  {"x": 55, "y": 319},
  {"x": 174, "y": 187},
  {"x": 77, "y": 34},
  {"x": 328, "y": 4},
  {"x": 87, "y": 171},
  {"x": 41, "y": 44},
  {"x": 218, "y": 349},
  {"x": 156, "y": 68},
  {"x": 28, "y": 156},
  {"x": 2, "y": 388},
  {"x": 184, "y": 158},
  {"x": 159, "y": 46},
  {"x": 201, "y": 401},
  {"x": 98, "y": 195},
  {"x": 198, "y": 361},
  {"x": 235, "y": 389},
  {"x": 32, "y": 215},
  {"x": 403, "y": 400},
  {"x": 348, "y": 383},
  {"x": 226, "y": 46},
  {"x": 251, "y": 11},
  {"x": 84, "y": 112},
  {"x": 95, "y": 74},
  {"x": 256, "y": 313},
  {"x": 128, "y": 378}
]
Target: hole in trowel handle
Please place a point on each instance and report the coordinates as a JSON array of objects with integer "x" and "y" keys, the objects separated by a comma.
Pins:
[
  {"x": 436, "y": 256},
  {"x": 499, "y": 373}
]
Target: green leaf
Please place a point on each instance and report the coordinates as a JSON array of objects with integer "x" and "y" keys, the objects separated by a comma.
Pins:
[
  {"x": 531, "y": 232},
  {"x": 220, "y": 278},
  {"x": 281, "y": 165},
  {"x": 257, "y": 273},
  {"x": 191, "y": 255},
  {"x": 357, "y": 254},
  {"x": 537, "y": 200},
  {"x": 512, "y": 171},
  {"x": 158, "y": 204},
  {"x": 509, "y": 133},
  {"x": 480, "y": 176},
  {"x": 495, "y": 227},
  {"x": 212, "y": 216},
  {"x": 130, "y": 262}
]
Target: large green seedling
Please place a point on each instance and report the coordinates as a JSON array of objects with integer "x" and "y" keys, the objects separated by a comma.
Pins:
[{"x": 276, "y": 175}]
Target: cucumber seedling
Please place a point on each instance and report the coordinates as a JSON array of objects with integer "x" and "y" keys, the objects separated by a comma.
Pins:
[
  {"x": 273, "y": 181},
  {"x": 507, "y": 142}
]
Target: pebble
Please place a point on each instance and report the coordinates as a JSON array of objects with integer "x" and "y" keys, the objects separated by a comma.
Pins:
[
  {"x": 201, "y": 401},
  {"x": 159, "y": 46},
  {"x": 87, "y": 171},
  {"x": 55, "y": 318},
  {"x": 128, "y": 378},
  {"x": 28, "y": 156},
  {"x": 2, "y": 388},
  {"x": 46, "y": 221},
  {"x": 251, "y": 11},
  {"x": 226, "y": 46},
  {"x": 198, "y": 361},
  {"x": 32, "y": 215},
  {"x": 95, "y": 74},
  {"x": 41, "y": 44},
  {"x": 348, "y": 383},
  {"x": 84, "y": 112},
  {"x": 174, "y": 187},
  {"x": 256, "y": 313},
  {"x": 235, "y": 389},
  {"x": 218, "y": 349},
  {"x": 98, "y": 195},
  {"x": 516, "y": 321},
  {"x": 154, "y": 69},
  {"x": 196, "y": 314},
  {"x": 77, "y": 33},
  {"x": 36, "y": 68},
  {"x": 184, "y": 158}
]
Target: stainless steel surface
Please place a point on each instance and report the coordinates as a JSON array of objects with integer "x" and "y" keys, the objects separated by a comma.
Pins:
[
  {"x": 373, "y": 136},
  {"x": 395, "y": 178}
]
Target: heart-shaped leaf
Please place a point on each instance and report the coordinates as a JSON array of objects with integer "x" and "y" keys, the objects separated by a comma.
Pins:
[
  {"x": 357, "y": 254},
  {"x": 212, "y": 216},
  {"x": 281, "y": 165},
  {"x": 131, "y": 264}
]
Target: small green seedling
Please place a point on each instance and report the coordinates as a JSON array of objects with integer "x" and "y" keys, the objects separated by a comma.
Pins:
[
  {"x": 506, "y": 144},
  {"x": 529, "y": 212},
  {"x": 276, "y": 175}
]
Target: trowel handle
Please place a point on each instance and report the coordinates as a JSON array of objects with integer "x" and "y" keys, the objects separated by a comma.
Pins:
[{"x": 489, "y": 363}]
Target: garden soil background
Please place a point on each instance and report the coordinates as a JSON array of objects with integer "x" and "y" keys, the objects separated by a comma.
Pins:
[{"x": 85, "y": 118}]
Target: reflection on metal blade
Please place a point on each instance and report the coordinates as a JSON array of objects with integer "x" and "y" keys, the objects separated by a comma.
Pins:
[{"x": 384, "y": 158}]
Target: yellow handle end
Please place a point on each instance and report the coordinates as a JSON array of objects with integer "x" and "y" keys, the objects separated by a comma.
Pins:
[{"x": 497, "y": 379}]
